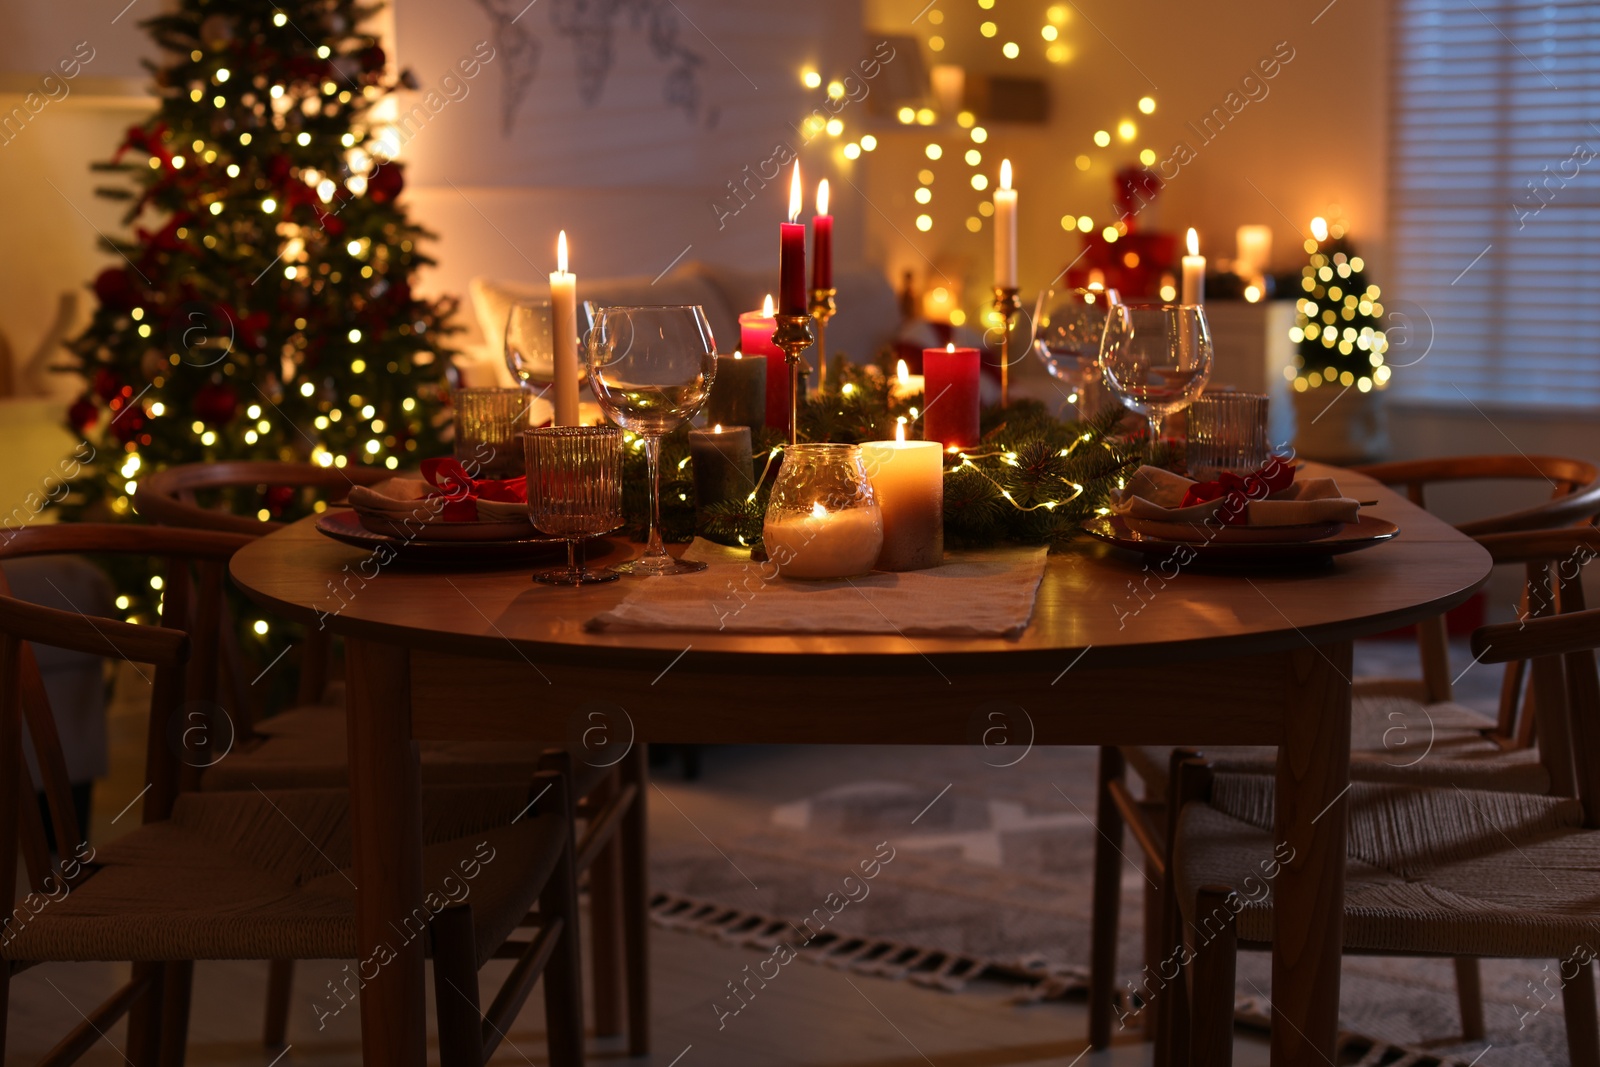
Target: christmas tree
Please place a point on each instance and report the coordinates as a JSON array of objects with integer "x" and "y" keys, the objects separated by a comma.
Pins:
[
  {"x": 262, "y": 308},
  {"x": 1338, "y": 331}
]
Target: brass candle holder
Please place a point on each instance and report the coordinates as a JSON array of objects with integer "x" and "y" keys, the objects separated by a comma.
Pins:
[
  {"x": 794, "y": 334},
  {"x": 1005, "y": 302},
  {"x": 823, "y": 308}
]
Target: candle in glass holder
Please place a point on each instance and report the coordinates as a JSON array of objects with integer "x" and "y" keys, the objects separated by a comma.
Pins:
[
  {"x": 722, "y": 467},
  {"x": 950, "y": 413},
  {"x": 908, "y": 480},
  {"x": 824, "y": 544},
  {"x": 739, "y": 393}
]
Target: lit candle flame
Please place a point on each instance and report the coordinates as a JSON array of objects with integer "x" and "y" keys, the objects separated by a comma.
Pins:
[
  {"x": 822, "y": 196},
  {"x": 561, "y": 252},
  {"x": 1194, "y": 242},
  {"x": 717, "y": 428},
  {"x": 794, "y": 193},
  {"x": 766, "y": 307},
  {"x": 737, "y": 354},
  {"x": 818, "y": 511},
  {"x": 1005, "y": 174},
  {"x": 902, "y": 372},
  {"x": 1319, "y": 228},
  {"x": 900, "y": 430},
  {"x": 951, "y": 347}
]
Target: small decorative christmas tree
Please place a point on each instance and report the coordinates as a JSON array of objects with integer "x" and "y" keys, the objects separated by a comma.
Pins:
[
  {"x": 263, "y": 308},
  {"x": 1338, "y": 330}
]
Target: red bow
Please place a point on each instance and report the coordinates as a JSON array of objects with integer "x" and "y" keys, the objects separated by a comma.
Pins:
[
  {"x": 1236, "y": 492},
  {"x": 462, "y": 492}
]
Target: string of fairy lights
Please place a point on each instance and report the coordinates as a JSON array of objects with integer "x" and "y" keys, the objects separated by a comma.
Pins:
[{"x": 938, "y": 154}]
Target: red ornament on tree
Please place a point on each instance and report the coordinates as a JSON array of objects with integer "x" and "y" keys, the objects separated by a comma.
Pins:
[
  {"x": 278, "y": 497},
  {"x": 107, "y": 383},
  {"x": 128, "y": 423},
  {"x": 83, "y": 414},
  {"x": 115, "y": 290},
  {"x": 215, "y": 403},
  {"x": 385, "y": 183}
]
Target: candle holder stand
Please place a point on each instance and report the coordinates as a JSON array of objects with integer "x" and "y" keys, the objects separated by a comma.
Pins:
[
  {"x": 1006, "y": 305},
  {"x": 823, "y": 308},
  {"x": 794, "y": 334}
]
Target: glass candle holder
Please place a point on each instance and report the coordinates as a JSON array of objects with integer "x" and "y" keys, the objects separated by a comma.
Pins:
[
  {"x": 1227, "y": 432},
  {"x": 823, "y": 519},
  {"x": 489, "y": 425}
]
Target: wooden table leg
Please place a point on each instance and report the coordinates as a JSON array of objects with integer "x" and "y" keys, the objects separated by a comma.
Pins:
[
  {"x": 386, "y": 832},
  {"x": 1308, "y": 932}
]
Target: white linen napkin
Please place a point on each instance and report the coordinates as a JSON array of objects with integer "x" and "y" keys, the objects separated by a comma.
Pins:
[
  {"x": 974, "y": 594},
  {"x": 1156, "y": 494}
]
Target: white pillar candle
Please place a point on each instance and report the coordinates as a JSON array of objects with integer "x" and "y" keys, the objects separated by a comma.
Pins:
[
  {"x": 1194, "y": 272},
  {"x": 908, "y": 480},
  {"x": 1005, "y": 230},
  {"x": 564, "y": 324},
  {"x": 825, "y": 544},
  {"x": 905, "y": 385}
]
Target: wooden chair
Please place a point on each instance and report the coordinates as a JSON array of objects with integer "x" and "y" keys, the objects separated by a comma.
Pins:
[
  {"x": 251, "y": 875},
  {"x": 1432, "y": 871},
  {"x": 305, "y": 747},
  {"x": 1497, "y": 750}
]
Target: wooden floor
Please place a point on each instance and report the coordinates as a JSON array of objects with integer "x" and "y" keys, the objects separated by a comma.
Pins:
[{"x": 810, "y": 1015}]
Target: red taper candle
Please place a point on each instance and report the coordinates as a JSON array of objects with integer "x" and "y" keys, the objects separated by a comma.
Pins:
[
  {"x": 822, "y": 241},
  {"x": 792, "y": 256},
  {"x": 951, "y": 393}
]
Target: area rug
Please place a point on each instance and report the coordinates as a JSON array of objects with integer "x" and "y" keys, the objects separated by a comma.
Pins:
[{"x": 936, "y": 866}]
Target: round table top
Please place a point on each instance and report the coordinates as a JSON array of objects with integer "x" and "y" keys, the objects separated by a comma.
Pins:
[{"x": 1112, "y": 606}]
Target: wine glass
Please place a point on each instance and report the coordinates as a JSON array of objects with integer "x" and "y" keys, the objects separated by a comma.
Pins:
[
  {"x": 1068, "y": 327},
  {"x": 574, "y": 491},
  {"x": 1156, "y": 358},
  {"x": 651, "y": 369},
  {"x": 530, "y": 342}
]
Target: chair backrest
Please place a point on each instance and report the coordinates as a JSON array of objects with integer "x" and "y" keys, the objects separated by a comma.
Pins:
[
  {"x": 1559, "y": 643},
  {"x": 24, "y": 705},
  {"x": 1574, "y": 498},
  {"x": 1574, "y": 487},
  {"x": 169, "y": 497}
]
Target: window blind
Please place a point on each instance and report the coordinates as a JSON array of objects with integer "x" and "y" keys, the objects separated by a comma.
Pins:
[{"x": 1495, "y": 203}]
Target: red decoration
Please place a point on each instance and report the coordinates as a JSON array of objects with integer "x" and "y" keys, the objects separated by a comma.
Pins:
[
  {"x": 371, "y": 59},
  {"x": 1274, "y": 476},
  {"x": 115, "y": 290},
  {"x": 107, "y": 383},
  {"x": 462, "y": 492},
  {"x": 215, "y": 403},
  {"x": 385, "y": 183},
  {"x": 278, "y": 497},
  {"x": 128, "y": 423},
  {"x": 83, "y": 414}
]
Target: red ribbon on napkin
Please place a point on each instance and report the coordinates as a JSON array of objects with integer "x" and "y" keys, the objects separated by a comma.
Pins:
[
  {"x": 1236, "y": 492},
  {"x": 462, "y": 491}
]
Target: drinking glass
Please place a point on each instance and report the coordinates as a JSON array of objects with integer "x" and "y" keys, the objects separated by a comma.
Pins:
[
  {"x": 489, "y": 424},
  {"x": 574, "y": 491},
  {"x": 530, "y": 342},
  {"x": 1227, "y": 432},
  {"x": 651, "y": 368},
  {"x": 1156, "y": 358},
  {"x": 1068, "y": 328}
]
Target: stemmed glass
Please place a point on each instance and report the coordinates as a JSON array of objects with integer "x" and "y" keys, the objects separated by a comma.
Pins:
[
  {"x": 651, "y": 369},
  {"x": 530, "y": 342},
  {"x": 574, "y": 491},
  {"x": 1068, "y": 328},
  {"x": 1157, "y": 358}
]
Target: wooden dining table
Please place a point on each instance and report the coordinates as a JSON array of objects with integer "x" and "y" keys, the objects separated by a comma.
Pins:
[{"x": 1119, "y": 651}]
